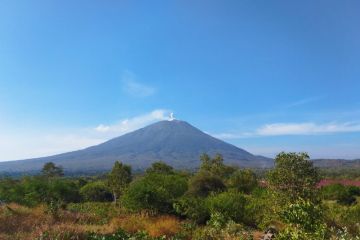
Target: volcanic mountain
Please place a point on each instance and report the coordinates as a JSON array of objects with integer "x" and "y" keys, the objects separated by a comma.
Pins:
[{"x": 175, "y": 142}]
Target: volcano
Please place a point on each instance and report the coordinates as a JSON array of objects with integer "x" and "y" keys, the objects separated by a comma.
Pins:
[{"x": 175, "y": 142}]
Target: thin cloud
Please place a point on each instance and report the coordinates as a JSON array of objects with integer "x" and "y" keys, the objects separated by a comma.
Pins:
[
  {"x": 134, "y": 88},
  {"x": 277, "y": 129},
  {"x": 131, "y": 124},
  {"x": 229, "y": 136},
  {"x": 303, "y": 101},
  {"x": 32, "y": 144},
  {"x": 283, "y": 129}
]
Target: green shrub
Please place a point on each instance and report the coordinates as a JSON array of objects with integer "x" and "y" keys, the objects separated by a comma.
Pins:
[
  {"x": 230, "y": 204},
  {"x": 31, "y": 191},
  {"x": 98, "y": 212},
  {"x": 294, "y": 177},
  {"x": 342, "y": 194},
  {"x": 261, "y": 209},
  {"x": 354, "y": 191},
  {"x": 155, "y": 192},
  {"x": 96, "y": 192},
  {"x": 350, "y": 218},
  {"x": 193, "y": 208},
  {"x": 304, "y": 222},
  {"x": 243, "y": 180},
  {"x": 160, "y": 168},
  {"x": 229, "y": 231},
  {"x": 342, "y": 234},
  {"x": 204, "y": 183},
  {"x": 11, "y": 191}
]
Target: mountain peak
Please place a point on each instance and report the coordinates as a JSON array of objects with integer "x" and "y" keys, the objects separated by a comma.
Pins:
[{"x": 175, "y": 142}]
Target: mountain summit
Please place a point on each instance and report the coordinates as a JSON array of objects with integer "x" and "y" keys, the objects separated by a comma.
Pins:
[{"x": 175, "y": 142}]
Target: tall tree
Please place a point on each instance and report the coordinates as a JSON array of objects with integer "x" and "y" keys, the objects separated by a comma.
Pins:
[
  {"x": 51, "y": 170},
  {"x": 294, "y": 176},
  {"x": 215, "y": 165},
  {"x": 244, "y": 180},
  {"x": 161, "y": 168},
  {"x": 118, "y": 179}
]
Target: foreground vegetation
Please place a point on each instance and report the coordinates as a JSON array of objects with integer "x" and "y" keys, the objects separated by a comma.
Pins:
[{"x": 216, "y": 202}]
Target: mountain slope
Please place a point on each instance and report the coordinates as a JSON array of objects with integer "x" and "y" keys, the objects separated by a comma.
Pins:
[
  {"x": 175, "y": 142},
  {"x": 337, "y": 163}
]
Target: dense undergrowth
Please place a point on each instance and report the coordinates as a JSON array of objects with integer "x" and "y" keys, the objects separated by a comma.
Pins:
[{"x": 217, "y": 202}]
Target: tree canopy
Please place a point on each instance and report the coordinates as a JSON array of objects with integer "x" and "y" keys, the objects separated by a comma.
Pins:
[
  {"x": 118, "y": 179},
  {"x": 51, "y": 170},
  {"x": 160, "y": 167},
  {"x": 294, "y": 175}
]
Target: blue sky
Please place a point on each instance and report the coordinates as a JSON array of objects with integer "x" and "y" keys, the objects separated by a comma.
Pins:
[{"x": 266, "y": 76}]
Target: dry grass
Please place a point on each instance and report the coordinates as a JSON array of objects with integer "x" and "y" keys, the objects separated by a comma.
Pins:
[
  {"x": 22, "y": 223},
  {"x": 17, "y": 219},
  {"x": 154, "y": 225}
]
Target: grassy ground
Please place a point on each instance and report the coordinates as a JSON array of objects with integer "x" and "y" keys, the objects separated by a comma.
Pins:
[{"x": 19, "y": 222}]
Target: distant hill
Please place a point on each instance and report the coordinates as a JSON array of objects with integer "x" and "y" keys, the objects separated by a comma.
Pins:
[
  {"x": 175, "y": 142},
  {"x": 336, "y": 163}
]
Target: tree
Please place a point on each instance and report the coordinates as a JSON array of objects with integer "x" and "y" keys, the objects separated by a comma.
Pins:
[
  {"x": 155, "y": 192},
  {"x": 161, "y": 168},
  {"x": 215, "y": 165},
  {"x": 193, "y": 208},
  {"x": 303, "y": 220},
  {"x": 243, "y": 180},
  {"x": 96, "y": 192},
  {"x": 294, "y": 176},
  {"x": 206, "y": 162},
  {"x": 118, "y": 179},
  {"x": 203, "y": 183},
  {"x": 51, "y": 170},
  {"x": 230, "y": 204}
]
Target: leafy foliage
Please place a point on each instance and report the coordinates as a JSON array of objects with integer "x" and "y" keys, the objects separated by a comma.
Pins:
[
  {"x": 160, "y": 168},
  {"x": 231, "y": 205},
  {"x": 294, "y": 176},
  {"x": 208, "y": 208},
  {"x": 193, "y": 208},
  {"x": 342, "y": 194},
  {"x": 119, "y": 178},
  {"x": 96, "y": 191},
  {"x": 51, "y": 170},
  {"x": 155, "y": 192},
  {"x": 204, "y": 183},
  {"x": 215, "y": 166},
  {"x": 243, "y": 180}
]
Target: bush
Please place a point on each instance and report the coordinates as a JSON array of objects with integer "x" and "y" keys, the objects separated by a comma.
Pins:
[
  {"x": 230, "y": 231},
  {"x": 11, "y": 191},
  {"x": 294, "y": 176},
  {"x": 160, "y": 168},
  {"x": 96, "y": 192},
  {"x": 155, "y": 192},
  {"x": 243, "y": 180},
  {"x": 193, "y": 208},
  {"x": 31, "y": 191},
  {"x": 96, "y": 212},
  {"x": 231, "y": 205},
  {"x": 340, "y": 193},
  {"x": 204, "y": 183},
  {"x": 351, "y": 219},
  {"x": 261, "y": 208},
  {"x": 304, "y": 221}
]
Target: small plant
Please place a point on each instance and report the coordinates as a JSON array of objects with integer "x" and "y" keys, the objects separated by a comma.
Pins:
[
  {"x": 304, "y": 222},
  {"x": 342, "y": 234}
]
